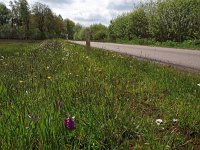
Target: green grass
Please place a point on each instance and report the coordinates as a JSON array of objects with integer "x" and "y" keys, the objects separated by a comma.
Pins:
[
  {"x": 188, "y": 44},
  {"x": 15, "y": 47},
  {"x": 115, "y": 100}
]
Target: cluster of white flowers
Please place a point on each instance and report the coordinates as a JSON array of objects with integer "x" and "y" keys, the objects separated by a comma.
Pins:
[
  {"x": 85, "y": 57},
  {"x": 160, "y": 121},
  {"x": 2, "y": 58}
]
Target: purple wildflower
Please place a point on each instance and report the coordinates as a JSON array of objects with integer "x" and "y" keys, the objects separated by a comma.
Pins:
[{"x": 69, "y": 123}]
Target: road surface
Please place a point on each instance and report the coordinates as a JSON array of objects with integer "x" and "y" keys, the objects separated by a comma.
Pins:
[{"x": 189, "y": 59}]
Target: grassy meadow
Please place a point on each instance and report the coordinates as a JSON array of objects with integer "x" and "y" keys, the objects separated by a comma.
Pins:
[{"x": 115, "y": 99}]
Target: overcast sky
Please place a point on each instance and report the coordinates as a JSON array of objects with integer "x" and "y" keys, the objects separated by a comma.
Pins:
[{"x": 87, "y": 12}]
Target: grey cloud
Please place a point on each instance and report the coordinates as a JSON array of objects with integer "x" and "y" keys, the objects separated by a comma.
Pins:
[
  {"x": 124, "y": 6},
  {"x": 57, "y": 2},
  {"x": 92, "y": 18}
]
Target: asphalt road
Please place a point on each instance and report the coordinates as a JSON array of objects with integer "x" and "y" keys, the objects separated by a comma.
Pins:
[{"x": 179, "y": 57}]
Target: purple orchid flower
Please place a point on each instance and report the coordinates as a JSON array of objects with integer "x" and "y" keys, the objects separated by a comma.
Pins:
[{"x": 70, "y": 123}]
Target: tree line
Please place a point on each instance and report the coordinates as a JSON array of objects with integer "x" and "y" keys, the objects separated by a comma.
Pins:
[
  {"x": 37, "y": 22},
  {"x": 161, "y": 20}
]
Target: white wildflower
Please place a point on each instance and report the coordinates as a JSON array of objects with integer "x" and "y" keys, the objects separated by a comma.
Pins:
[
  {"x": 49, "y": 77},
  {"x": 20, "y": 81},
  {"x": 162, "y": 129},
  {"x": 198, "y": 84},
  {"x": 159, "y": 121},
  {"x": 175, "y": 120}
]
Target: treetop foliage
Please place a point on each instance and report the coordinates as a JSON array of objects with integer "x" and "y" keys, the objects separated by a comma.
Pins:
[
  {"x": 160, "y": 20},
  {"x": 35, "y": 22}
]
